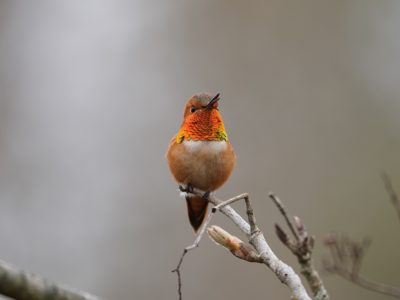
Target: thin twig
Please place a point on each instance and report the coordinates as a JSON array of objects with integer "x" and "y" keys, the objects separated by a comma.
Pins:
[
  {"x": 282, "y": 210},
  {"x": 256, "y": 238},
  {"x": 177, "y": 270},
  {"x": 199, "y": 236},
  {"x": 346, "y": 255},
  {"x": 250, "y": 214},
  {"x": 346, "y": 259},
  {"x": 230, "y": 201},
  {"x": 369, "y": 284},
  {"x": 392, "y": 193},
  {"x": 284, "y": 272},
  {"x": 302, "y": 248},
  {"x": 21, "y": 285},
  {"x": 195, "y": 244}
]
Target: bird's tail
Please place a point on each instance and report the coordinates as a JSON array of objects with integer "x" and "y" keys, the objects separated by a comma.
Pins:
[{"x": 197, "y": 210}]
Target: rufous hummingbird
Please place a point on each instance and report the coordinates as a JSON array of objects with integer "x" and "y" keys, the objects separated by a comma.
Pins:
[{"x": 200, "y": 155}]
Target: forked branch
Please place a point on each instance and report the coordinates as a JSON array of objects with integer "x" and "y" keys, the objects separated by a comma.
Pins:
[
  {"x": 346, "y": 259},
  {"x": 301, "y": 246},
  {"x": 262, "y": 252},
  {"x": 346, "y": 255},
  {"x": 199, "y": 236}
]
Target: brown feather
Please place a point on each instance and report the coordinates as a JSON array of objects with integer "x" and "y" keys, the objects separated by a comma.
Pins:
[{"x": 197, "y": 210}]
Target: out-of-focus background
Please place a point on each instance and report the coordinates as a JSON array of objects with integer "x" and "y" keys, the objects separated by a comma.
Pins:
[{"x": 92, "y": 91}]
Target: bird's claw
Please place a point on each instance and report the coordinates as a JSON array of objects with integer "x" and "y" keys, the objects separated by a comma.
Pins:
[
  {"x": 206, "y": 196},
  {"x": 188, "y": 189}
]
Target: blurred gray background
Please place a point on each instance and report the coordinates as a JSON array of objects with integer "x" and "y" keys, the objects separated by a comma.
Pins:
[{"x": 92, "y": 91}]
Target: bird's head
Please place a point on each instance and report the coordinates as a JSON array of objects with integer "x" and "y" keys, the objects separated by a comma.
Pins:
[{"x": 202, "y": 120}]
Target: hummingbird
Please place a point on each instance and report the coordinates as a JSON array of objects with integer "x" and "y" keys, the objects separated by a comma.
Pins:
[{"x": 200, "y": 155}]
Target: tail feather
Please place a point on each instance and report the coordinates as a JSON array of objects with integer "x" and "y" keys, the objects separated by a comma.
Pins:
[{"x": 197, "y": 210}]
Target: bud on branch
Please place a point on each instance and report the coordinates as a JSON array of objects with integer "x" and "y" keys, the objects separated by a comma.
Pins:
[{"x": 236, "y": 246}]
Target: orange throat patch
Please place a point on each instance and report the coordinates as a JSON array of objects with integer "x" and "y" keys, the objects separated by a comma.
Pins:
[{"x": 204, "y": 125}]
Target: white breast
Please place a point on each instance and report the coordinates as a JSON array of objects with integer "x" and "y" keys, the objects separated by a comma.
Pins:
[{"x": 212, "y": 146}]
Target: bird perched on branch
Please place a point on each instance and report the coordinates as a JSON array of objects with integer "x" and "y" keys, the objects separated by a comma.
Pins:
[{"x": 200, "y": 156}]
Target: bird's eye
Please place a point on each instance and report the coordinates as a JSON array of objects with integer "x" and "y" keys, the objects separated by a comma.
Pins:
[{"x": 192, "y": 109}]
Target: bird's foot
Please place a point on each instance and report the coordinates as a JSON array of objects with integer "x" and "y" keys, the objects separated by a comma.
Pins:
[
  {"x": 206, "y": 196},
  {"x": 186, "y": 189},
  {"x": 189, "y": 189}
]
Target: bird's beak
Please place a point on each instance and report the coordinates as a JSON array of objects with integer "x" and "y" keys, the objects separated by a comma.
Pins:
[{"x": 213, "y": 103}]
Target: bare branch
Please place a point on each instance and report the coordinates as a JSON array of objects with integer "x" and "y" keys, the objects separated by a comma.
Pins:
[
  {"x": 346, "y": 255},
  {"x": 392, "y": 193},
  {"x": 369, "y": 284},
  {"x": 195, "y": 244},
  {"x": 230, "y": 201},
  {"x": 21, "y": 285},
  {"x": 284, "y": 272},
  {"x": 346, "y": 259},
  {"x": 199, "y": 236},
  {"x": 282, "y": 210},
  {"x": 302, "y": 247}
]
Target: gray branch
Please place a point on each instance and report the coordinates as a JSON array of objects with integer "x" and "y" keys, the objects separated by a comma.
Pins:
[
  {"x": 302, "y": 247},
  {"x": 394, "y": 198},
  {"x": 21, "y": 285},
  {"x": 346, "y": 255},
  {"x": 256, "y": 238},
  {"x": 346, "y": 259}
]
